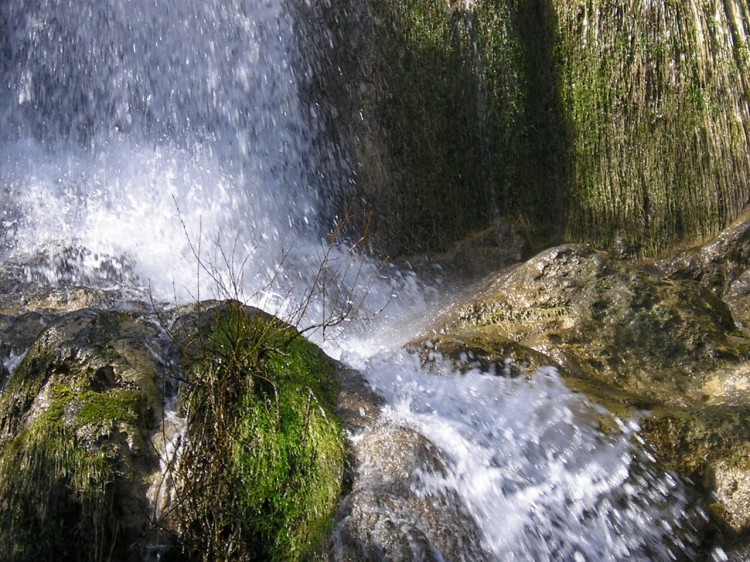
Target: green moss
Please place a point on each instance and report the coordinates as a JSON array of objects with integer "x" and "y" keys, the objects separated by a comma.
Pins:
[
  {"x": 289, "y": 460},
  {"x": 22, "y": 388},
  {"x": 56, "y": 491},
  {"x": 86, "y": 407},
  {"x": 623, "y": 125},
  {"x": 263, "y": 467},
  {"x": 653, "y": 97}
]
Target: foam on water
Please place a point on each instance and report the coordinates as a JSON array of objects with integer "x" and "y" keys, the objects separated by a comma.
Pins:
[{"x": 529, "y": 461}]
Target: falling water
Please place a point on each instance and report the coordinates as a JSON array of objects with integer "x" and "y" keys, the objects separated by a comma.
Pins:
[
  {"x": 151, "y": 135},
  {"x": 143, "y": 139}
]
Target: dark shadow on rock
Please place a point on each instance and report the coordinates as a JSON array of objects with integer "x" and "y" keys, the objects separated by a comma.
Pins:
[{"x": 439, "y": 120}]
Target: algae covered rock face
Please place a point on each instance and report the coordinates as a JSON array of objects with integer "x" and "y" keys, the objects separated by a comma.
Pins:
[
  {"x": 633, "y": 341},
  {"x": 262, "y": 466},
  {"x": 603, "y": 122},
  {"x": 654, "y": 97},
  {"x": 75, "y": 419}
]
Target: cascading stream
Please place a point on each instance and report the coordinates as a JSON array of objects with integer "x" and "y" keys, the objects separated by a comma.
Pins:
[
  {"x": 140, "y": 138},
  {"x": 529, "y": 461}
]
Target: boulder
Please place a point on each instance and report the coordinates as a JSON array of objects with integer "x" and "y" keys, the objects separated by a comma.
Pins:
[
  {"x": 665, "y": 350},
  {"x": 386, "y": 514},
  {"x": 76, "y": 418}
]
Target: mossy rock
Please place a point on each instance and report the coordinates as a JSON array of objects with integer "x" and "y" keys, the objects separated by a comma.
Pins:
[
  {"x": 79, "y": 434},
  {"x": 75, "y": 418},
  {"x": 641, "y": 345},
  {"x": 262, "y": 467}
]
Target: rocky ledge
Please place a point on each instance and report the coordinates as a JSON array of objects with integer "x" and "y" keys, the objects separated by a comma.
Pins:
[
  {"x": 99, "y": 389},
  {"x": 664, "y": 342}
]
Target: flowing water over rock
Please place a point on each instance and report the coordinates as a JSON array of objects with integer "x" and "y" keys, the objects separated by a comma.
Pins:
[
  {"x": 526, "y": 459},
  {"x": 162, "y": 150}
]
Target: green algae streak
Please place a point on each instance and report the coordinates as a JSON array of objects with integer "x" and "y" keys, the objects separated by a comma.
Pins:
[{"x": 622, "y": 125}]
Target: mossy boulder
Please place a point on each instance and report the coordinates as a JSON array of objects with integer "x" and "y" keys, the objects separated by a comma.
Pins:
[
  {"x": 635, "y": 342},
  {"x": 252, "y": 463},
  {"x": 262, "y": 462},
  {"x": 75, "y": 421}
]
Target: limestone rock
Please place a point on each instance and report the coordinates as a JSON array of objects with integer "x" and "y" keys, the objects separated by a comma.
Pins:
[
  {"x": 79, "y": 411},
  {"x": 604, "y": 320},
  {"x": 633, "y": 340}
]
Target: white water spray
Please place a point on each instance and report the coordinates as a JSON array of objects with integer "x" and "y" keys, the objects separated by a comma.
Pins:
[
  {"x": 150, "y": 128},
  {"x": 531, "y": 464}
]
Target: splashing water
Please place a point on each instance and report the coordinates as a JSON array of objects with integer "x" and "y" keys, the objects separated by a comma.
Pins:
[
  {"x": 154, "y": 134},
  {"x": 137, "y": 136},
  {"x": 529, "y": 461}
]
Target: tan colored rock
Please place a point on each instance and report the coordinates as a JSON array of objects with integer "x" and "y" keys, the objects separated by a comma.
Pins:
[
  {"x": 87, "y": 395},
  {"x": 732, "y": 488},
  {"x": 603, "y": 320},
  {"x": 633, "y": 341}
]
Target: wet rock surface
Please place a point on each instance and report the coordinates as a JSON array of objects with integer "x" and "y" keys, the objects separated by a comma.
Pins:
[
  {"x": 722, "y": 265},
  {"x": 79, "y": 410},
  {"x": 657, "y": 343},
  {"x": 664, "y": 342},
  {"x": 606, "y": 321},
  {"x": 387, "y": 514}
]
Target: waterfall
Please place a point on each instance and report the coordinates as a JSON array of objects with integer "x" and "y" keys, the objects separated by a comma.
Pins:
[
  {"x": 142, "y": 139},
  {"x": 151, "y": 128}
]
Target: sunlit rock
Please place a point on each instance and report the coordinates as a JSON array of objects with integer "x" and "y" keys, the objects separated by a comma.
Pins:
[
  {"x": 634, "y": 341},
  {"x": 722, "y": 265},
  {"x": 77, "y": 414}
]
